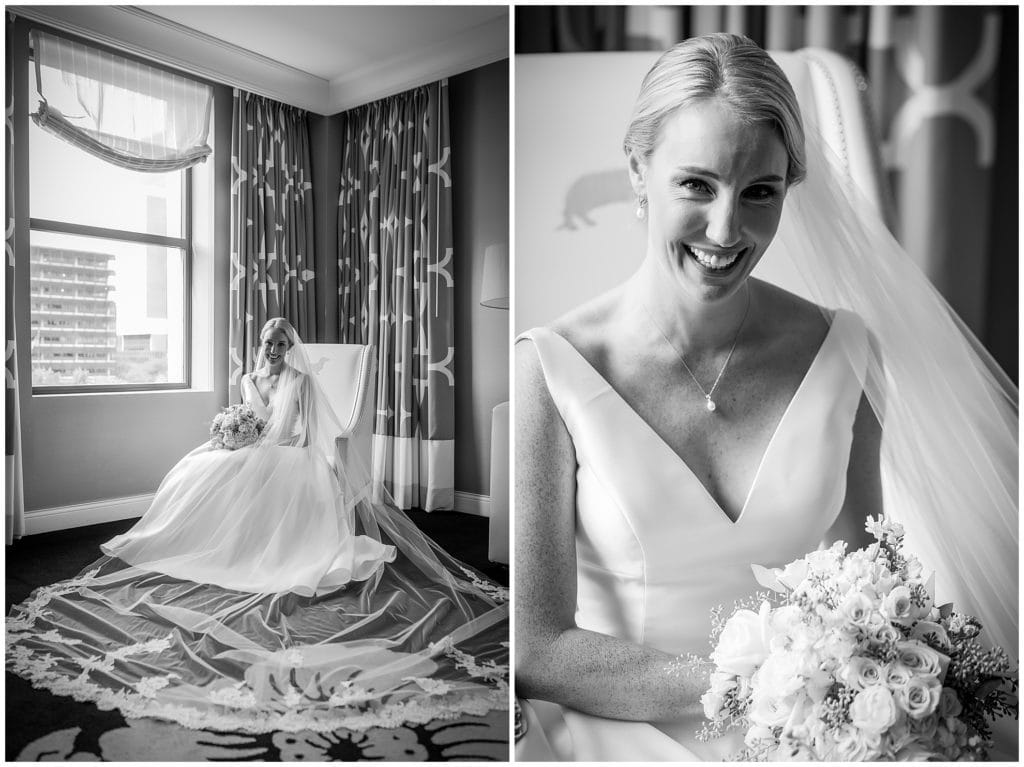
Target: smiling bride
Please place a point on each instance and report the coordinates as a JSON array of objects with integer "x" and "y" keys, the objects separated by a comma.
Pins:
[{"x": 696, "y": 420}]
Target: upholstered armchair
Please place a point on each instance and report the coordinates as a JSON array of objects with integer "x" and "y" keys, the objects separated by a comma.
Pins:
[{"x": 346, "y": 374}]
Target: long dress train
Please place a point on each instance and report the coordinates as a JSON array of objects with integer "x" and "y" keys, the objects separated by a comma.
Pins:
[{"x": 263, "y": 590}]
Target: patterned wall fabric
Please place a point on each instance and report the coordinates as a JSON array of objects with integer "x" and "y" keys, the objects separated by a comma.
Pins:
[
  {"x": 395, "y": 284},
  {"x": 935, "y": 76},
  {"x": 272, "y": 238},
  {"x": 14, "y": 501}
]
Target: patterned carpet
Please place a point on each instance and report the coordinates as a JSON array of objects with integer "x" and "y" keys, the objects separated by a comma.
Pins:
[{"x": 45, "y": 727}]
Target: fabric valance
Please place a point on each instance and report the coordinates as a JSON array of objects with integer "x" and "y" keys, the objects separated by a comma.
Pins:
[{"x": 124, "y": 111}]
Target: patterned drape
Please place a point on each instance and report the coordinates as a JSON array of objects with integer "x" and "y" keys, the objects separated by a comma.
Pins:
[
  {"x": 14, "y": 500},
  {"x": 395, "y": 285},
  {"x": 272, "y": 248},
  {"x": 943, "y": 91}
]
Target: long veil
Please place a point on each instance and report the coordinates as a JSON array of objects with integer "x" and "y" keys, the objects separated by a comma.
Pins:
[
  {"x": 948, "y": 412},
  {"x": 386, "y": 629}
]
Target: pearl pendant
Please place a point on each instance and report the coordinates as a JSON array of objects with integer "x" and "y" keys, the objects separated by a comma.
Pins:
[{"x": 711, "y": 405}]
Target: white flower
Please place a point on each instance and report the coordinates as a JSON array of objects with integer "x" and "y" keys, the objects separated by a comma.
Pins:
[
  {"x": 712, "y": 704},
  {"x": 896, "y": 605},
  {"x": 292, "y": 698},
  {"x": 744, "y": 641},
  {"x": 919, "y": 697},
  {"x": 874, "y": 709},
  {"x": 921, "y": 659},
  {"x": 757, "y": 733},
  {"x": 854, "y": 745},
  {"x": 860, "y": 673},
  {"x": 857, "y": 608},
  {"x": 780, "y": 674},
  {"x": 839, "y": 645},
  {"x": 897, "y": 675},
  {"x": 293, "y": 657}
]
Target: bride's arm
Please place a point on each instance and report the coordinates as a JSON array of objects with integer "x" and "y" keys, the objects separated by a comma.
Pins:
[{"x": 555, "y": 660}]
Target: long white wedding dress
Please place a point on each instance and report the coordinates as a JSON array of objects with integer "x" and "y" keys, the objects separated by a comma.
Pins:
[
  {"x": 264, "y": 590},
  {"x": 655, "y": 553}
]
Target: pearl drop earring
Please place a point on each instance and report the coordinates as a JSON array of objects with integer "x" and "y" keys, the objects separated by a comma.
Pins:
[{"x": 641, "y": 207}]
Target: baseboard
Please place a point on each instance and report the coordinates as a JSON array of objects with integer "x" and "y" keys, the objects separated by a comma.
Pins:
[
  {"x": 473, "y": 503},
  {"x": 81, "y": 514}
]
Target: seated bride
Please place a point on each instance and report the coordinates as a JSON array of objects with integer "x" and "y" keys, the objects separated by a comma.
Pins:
[
  {"x": 265, "y": 590},
  {"x": 695, "y": 420}
]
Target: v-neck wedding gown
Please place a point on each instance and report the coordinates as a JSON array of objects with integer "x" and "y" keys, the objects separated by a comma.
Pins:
[{"x": 655, "y": 552}]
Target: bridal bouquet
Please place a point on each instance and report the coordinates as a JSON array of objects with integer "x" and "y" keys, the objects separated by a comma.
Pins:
[
  {"x": 849, "y": 659},
  {"x": 234, "y": 427}
]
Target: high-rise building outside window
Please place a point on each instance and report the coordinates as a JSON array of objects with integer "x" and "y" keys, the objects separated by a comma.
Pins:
[{"x": 110, "y": 279}]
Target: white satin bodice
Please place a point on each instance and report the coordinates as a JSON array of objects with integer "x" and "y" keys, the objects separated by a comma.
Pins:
[{"x": 655, "y": 552}]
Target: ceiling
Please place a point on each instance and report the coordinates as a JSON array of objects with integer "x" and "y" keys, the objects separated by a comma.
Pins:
[{"x": 325, "y": 58}]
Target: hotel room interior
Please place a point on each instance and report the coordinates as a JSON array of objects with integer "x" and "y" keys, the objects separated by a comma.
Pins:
[{"x": 84, "y": 460}]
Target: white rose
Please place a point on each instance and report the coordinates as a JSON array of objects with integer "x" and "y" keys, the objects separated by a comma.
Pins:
[
  {"x": 873, "y": 710},
  {"x": 767, "y": 710},
  {"x": 919, "y": 697},
  {"x": 853, "y": 745},
  {"x": 921, "y": 659},
  {"x": 712, "y": 704},
  {"x": 897, "y": 675},
  {"x": 780, "y": 674},
  {"x": 896, "y": 605},
  {"x": 857, "y": 608},
  {"x": 861, "y": 673},
  {"x": 743, "y": 643}
]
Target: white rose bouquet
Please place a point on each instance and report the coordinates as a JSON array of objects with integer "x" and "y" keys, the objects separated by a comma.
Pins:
[
  {"x": 234, "y": 427},
  {"x": 847, "y": 658}
]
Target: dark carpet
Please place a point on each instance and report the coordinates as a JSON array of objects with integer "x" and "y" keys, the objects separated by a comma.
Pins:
[{"x": 45, "y": 727}]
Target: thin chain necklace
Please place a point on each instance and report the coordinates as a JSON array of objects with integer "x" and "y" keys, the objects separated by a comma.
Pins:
[{"x": 710, "y": 403}]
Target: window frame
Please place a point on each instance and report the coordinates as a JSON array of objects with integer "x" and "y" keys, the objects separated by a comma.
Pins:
[{"x": 184, "y": 243}]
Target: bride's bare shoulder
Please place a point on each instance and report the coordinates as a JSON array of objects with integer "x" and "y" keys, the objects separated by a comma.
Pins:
[{"x": 791, "y": 317}]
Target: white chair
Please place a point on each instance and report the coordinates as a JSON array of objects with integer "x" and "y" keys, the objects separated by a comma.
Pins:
[
  {"x": 576, "y": 235},
  {"x": 346, "y": 374}
]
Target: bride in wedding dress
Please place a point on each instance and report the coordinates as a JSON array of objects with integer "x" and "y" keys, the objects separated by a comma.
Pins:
[
  {"x": 264, "y": 589},
  {"x": 696, "y": 420}
]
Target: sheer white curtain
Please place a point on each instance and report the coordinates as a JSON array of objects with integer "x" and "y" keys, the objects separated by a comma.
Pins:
[{"x": 121, "y": 110}]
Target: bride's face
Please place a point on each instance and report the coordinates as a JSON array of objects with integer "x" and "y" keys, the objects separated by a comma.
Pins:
[
  {"x": 714, "y": 187},
  {"x": 275, "y": 343}
]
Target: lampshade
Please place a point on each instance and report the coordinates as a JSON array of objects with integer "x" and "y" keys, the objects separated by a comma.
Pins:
[{"x": 495, "y": 283}]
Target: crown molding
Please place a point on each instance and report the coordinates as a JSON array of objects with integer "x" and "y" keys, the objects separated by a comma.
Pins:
[
  {"x": 475, "y": 47},
  {"x": 141, "y": 33}
]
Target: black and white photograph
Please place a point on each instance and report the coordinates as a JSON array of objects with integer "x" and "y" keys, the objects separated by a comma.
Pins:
[
  {"x": 257, "y": 413},
  {"x": 765, "y": 383}
]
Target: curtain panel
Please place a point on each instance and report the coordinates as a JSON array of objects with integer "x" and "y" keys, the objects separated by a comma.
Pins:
[
  {"x": 272, "y": 236},
  {"x": 123, "y": 111},
  {"x": 395, "y": 285},
  {"x": 943, "y": 93},
  {"x": 14, "y": 500}
]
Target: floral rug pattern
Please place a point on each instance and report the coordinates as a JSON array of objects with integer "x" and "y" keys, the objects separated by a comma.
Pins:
[{"x": 465, "y": 739}]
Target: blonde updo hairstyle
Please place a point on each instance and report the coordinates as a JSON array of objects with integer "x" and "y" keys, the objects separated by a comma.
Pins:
[{"x": 727, "y": 67}]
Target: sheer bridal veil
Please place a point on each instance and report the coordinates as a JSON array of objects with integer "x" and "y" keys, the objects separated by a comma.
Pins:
[{"x": 948, "y": 412}]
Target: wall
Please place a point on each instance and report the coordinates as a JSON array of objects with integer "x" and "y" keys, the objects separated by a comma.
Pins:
[
  {"x": 87, "y": 447},
  {"x": 479, "y": 113}
]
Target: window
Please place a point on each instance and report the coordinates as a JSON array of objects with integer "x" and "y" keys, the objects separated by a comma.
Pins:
[{"x": 109, "y": 267}]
